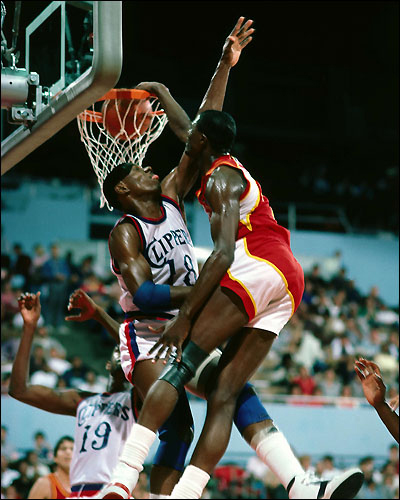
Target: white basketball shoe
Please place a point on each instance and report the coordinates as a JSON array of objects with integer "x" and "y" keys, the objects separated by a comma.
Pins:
[{"x": 345, "y": 485}]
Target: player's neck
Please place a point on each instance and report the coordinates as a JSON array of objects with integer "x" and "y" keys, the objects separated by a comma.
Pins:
[
  {"x": 63, "y": 477},
  {"x": 148, "y": 208}
]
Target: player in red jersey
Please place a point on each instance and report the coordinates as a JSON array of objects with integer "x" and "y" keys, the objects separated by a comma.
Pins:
[{"x": 247, "y": 291}]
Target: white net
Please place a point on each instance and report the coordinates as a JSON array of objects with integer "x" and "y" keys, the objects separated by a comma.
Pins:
[{"x": 119, "y": 128}]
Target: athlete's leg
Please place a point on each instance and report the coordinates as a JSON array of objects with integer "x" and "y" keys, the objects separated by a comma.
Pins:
[
  {"x": 175, "y": 435},
  {"x": 218, "y": 321},
  {"x": 239, "y": 361},
  {"x": 220, "y": 318},
  {"x": 242, "y": 356}
]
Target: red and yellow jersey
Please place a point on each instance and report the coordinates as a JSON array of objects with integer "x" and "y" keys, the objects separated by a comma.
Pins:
[
  {"x": 264, "y": 239},
  {"x": 57, "y": 489}
]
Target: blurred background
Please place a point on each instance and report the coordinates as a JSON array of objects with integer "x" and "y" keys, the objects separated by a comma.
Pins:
[{"x": 315, "y": 98}]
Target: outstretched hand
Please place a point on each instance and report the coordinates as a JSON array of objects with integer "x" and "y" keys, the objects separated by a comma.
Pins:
[
  {"x": 173, "y": 334},
  {"x": 371, "y": 379},
  {"x": 239, "y": 38},
  {"x": 30, "y": 308},
  {"x": 80, "y": 300}
]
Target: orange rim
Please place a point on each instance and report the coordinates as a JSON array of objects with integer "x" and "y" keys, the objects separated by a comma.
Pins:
[
  {"x": 125, "y": 94},
  {"x": 95, "y": 116}
]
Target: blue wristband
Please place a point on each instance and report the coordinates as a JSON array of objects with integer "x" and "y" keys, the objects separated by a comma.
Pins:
[{"x": 150, "y": 297}]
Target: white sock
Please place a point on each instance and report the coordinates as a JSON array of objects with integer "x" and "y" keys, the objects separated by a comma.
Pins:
[
  {"x": 276, "y": 453},
  {"x": 133, "y": 455},
  {"x": 137, "y": 446},
  {"x": 191, "y": 484},
  {"x": 155, "y": 495},
  {"x": 126, "y": 475}
]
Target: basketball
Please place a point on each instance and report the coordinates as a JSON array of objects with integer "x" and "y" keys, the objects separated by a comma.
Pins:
[{"x": 126, "y": 118}]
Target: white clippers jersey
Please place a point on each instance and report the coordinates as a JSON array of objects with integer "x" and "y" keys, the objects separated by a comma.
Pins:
[
  {"x": 103, "y": 424},
  {"x": 168, "y": 248}
]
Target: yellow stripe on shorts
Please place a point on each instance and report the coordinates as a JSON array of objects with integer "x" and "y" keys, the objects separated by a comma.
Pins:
[
  {"x": 272, "y": 265},
  {"x": 245, "y": 288}
]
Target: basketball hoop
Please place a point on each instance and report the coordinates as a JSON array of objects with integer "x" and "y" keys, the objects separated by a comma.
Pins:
[{"x": 119, "y": 128}]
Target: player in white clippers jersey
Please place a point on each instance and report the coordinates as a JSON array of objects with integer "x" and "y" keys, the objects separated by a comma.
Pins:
[
  {"x": 103, "y": 421},
  {"x": 168, "y": 249}
]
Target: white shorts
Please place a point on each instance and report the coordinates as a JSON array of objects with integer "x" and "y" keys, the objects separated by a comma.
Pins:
[
  {"x": 135, "y": 348},
  {"x": 262, "y": 288}
]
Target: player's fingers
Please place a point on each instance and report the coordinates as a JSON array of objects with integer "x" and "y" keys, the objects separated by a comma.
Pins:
[
  {"x": 157, "y": 356},
  {"x": 360, "y": 365},
  {"x": 375, "y": 367},
  {"x": 159, "y": 329},
  {"x": 244, "y": 29},
  {"x": 246, "y": 42},
  {"x": 155, "y": 346},
  {"x": 237, "y": 26},
  {"x": 168, "y": 355},
  {"x": 73, "y": 318},
  {"x": 245, "y": 34},
  {"x": 360, "y": 374},
  {"x": 178, "y": 353}
]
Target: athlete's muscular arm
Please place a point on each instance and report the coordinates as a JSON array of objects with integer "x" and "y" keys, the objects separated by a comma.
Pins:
[
  {"x": 177, "y": 118},
  {"x": 178, "y": 183},
  {"x": 223, "y": 196},
  {"x": 125, "y": 248},
  {"x": 45, "y": 398},
  {"x": 90, "y": 310}
]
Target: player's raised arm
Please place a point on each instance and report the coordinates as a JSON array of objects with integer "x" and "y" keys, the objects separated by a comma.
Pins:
[
  {"x": 45, "y": 398},
  {"x": 374, "y": 389},
  {"x": 90, "y": 310},
  {"x": 178, "y": 119},
  {"x": 236, "y": 41},
  {"x": 178, "y": 183}
]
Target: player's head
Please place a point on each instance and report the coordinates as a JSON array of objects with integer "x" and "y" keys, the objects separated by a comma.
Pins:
[
  {"x": 117, "y": 376},
  {"x": 128, "y": 181},
  {"x": 215, "y": 129},
  {"x": 63, "y": 452}
]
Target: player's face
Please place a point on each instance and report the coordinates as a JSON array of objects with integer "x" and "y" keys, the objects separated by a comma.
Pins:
[
  {"x": 195, "y": 142},
  {"x": 141, "y": 180},
  {"x": 114, "y": 364},
  {"x": 64, "y": 454}
]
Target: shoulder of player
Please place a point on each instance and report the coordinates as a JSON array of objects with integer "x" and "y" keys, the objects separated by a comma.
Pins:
[
  {"x": 42, "y": 488},
  {"x": 226, "y": 178},
  {"x": 125, "y": 233}
]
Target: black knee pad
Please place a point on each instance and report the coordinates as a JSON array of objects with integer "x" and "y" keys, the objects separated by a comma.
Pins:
[{"x": 179, "y": 374}]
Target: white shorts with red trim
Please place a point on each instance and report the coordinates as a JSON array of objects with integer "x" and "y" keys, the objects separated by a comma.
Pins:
[
  {"x": 262, "y": 288},
  {"x": 134, "y": 347}
]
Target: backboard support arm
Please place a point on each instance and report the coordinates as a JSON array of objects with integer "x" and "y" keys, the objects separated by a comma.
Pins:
[{"x": 90, "y": 86}]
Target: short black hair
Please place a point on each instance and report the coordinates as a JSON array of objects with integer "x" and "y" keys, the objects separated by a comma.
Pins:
[
  {"x": 220, "y": 129},
  {"x": 60, "y": 442},
  {"x": 116, "y": 175}
]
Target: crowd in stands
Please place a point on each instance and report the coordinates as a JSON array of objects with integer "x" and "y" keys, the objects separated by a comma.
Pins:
[{"x": 313, "y": 358}]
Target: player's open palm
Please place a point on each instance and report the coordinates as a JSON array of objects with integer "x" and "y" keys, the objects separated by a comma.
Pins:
[
  {"x": 80, "y": 300},
  {"x": 237, "y": 41},
  {"x": 30, "y": 308},
  {"x": 173, "y": 334},
  {"x": 371, "y": 380}
]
